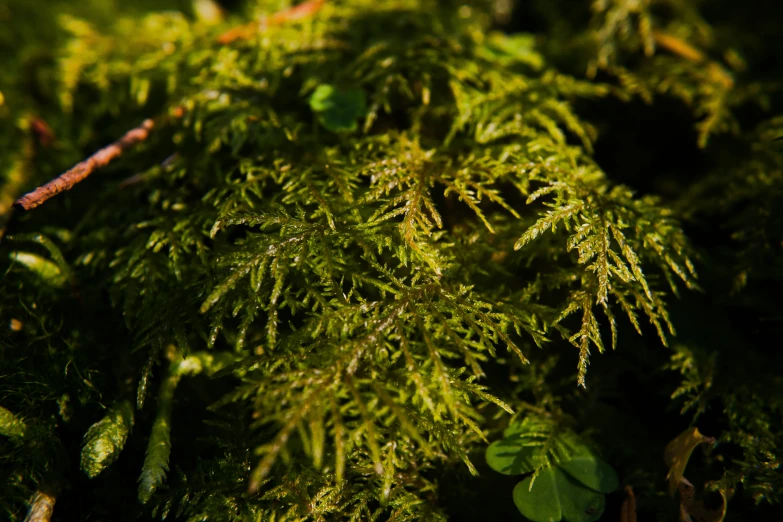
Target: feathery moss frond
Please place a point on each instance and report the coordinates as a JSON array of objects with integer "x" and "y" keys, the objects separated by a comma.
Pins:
[
  {"x": 371, "y": 231},
  {"x": 106, "y": 438}
]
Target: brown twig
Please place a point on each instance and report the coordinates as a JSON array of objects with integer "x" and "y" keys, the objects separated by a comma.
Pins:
[
  {"x": 42, "y": 131},
  {"x": 685, "y": 50},
  {"x": 628, "y": 513},
  {"x": 298, "y": 12},
  {"x": 82, "y": 170},
  {"x": 678, "y": 46}
]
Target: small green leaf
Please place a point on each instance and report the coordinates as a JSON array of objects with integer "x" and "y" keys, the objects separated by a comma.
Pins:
[
  {"x": 10, "y": 425},
  {"x": 541, "y": 502},
  {"x": 510, "y": 457},
  {"x": 156, "y": 461},
  {"x": 338, "y": 109},
  {"x": 579, "y": 504},
  {"x": 554, "y": 496},
  {"x": 203, "y": 362},
  {"x": 515, "y": 428},
  {"x": 105, "y": 439},
  {"x": 45, "y": 269},
  {"x": 507, "y": 49},
  {"x": 591, "y": 471}
]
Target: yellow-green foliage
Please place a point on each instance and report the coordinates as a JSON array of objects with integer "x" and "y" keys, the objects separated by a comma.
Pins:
[
  {"x": 105, "y": 439},
  {"x": 380, "y": 228}
]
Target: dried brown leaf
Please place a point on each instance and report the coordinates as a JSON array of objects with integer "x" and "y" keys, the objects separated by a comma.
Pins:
[{"x": 677, "y": 453}]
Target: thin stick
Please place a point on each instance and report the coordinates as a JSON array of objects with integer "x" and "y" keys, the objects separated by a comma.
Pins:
[
  {"x": 678, "y": 46},
  {"x": 685, "y": 50},
  {"x": 628, "y": 511},
  {"x": 298, "y": 12},
  {"x": 82, "y": 170}
]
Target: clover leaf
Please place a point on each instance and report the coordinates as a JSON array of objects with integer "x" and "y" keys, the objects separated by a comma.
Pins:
[
  {"x": 338, "y": 109},
  {"x": 568, "y": 487},
  {"x": 511, "y": 457},
  {"x": 552, "y": 495},
  {"x": 586, "y": 468}
]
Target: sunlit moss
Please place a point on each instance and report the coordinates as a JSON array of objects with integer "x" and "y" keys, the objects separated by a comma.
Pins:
[{"x": 364, "y": 221}]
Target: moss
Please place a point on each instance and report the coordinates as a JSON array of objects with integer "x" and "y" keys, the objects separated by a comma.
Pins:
[{"x": 384, "y": 225}]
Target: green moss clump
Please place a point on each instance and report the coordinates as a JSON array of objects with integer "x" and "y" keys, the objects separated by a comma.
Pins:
[{"x": 363, "y": 238}]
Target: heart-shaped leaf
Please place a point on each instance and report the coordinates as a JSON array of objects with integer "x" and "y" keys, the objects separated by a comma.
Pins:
[
  {"x": 338, "y": 109},
  {"x": 515, "y": 428},
  {"x": 510, "y": 457},
  {"x": 541, "y": 502},
  {"x": 585, "y": 467},
  {"x": 554, "y": 496}
]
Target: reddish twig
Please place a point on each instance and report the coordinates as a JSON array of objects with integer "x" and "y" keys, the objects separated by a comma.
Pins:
[
  {"x": 685, "y": 50},
  {"x": 43, "y": 131},
  {"x": 678, "y": 46},
  {"x": 628, "y": 512},
  {"x": 298, "y": 12},
  {"x": 79, "y": 172}
]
